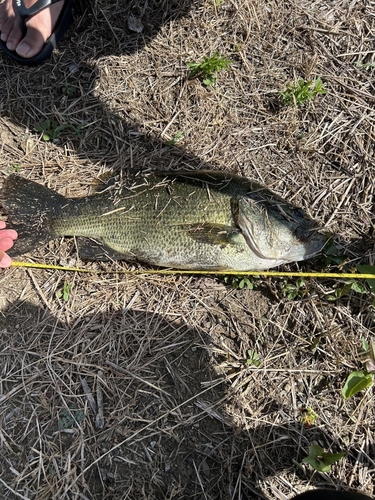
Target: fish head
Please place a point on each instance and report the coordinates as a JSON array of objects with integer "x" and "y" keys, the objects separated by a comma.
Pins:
[{"x": 277, "y": 231}]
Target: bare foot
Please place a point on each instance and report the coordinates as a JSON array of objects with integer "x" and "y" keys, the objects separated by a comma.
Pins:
[{"x": 38, "y": 27}]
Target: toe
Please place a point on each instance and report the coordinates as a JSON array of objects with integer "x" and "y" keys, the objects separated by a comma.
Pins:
[
  {"x": 7, "y": 28},
  {"x": 5, "y": 13},
  {"x": 31, "y": 44}
]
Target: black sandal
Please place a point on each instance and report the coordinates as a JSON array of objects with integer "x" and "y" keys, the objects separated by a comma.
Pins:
[{"x": 61, "y": 26}]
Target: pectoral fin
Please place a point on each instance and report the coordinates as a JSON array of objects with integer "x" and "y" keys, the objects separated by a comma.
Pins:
[{"x": 214, "y": 234}]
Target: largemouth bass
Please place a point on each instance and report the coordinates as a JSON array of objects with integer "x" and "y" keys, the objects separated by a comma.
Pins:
[{"x": 186, "y": 220}]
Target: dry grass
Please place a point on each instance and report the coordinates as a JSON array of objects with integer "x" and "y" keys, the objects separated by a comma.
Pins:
[{"x": 138, "y": 387}]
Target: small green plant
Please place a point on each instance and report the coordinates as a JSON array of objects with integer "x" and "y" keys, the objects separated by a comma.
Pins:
[
  {"x": 295, "y": 290},
  {"x": 65, "y": 291},
  {"x": 175, "y": 139},
  {"x": 302, "y": 92},
  {"x": 69, "y": 419},
  {"x": 253, "y": 359},
  {"x": 364, "y": 65},
  {"x": 320, "y": 460},
  {"x": 206, "y": 69},
  {"x": 335, "y": 258},
  {"x": 340, "y": 291},
  {"x": 51, "y": 129},
  {"x": 239, "y": 282},
  {"x": 16, "y": 167},
  {"x": 68, "y": 90},
  {"x": 308, "y": 416},
  {"x": 357, "y": 381},
  {"x": 370, "y": 282}
]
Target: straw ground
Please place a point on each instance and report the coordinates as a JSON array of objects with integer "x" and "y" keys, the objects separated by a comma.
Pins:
[{"x": 139, "y": 387}]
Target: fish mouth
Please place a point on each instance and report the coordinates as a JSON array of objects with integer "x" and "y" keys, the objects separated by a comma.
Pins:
[{"x": 314, "y": 245}]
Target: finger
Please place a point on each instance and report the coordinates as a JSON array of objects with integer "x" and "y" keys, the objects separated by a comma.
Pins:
[
  {"x": 8, "y": 233},
  {"x": 6, "y": 243},
  {"x": 2, "y": 224},
  {"x": 5, "y": 260}
]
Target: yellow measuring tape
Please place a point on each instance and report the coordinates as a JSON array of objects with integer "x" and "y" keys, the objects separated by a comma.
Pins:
[{"x": 192, "y": 272}]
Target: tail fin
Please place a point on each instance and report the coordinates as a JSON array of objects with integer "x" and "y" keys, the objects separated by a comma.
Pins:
[{"x": 31, "y": 208}]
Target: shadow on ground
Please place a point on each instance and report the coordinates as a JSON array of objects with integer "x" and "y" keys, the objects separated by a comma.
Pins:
[
  {"x": 63, "y": 90},
  {"x": 166, "y": 430}
]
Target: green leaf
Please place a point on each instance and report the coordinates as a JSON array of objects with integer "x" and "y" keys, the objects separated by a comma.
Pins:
[
  {"x": 308, "y": 416},
  {"x": 365, "y": 344},
  {"x": 343, "y": 290},
  {"x": 59, "y": 128},
  {"x": 206, "y": 69},
  {"x": 359, "y": 287},
  {"x": 209, "y": 81},
  {"x": 175, "y": 139},
  {"x": 68, "y": 419},
  {"x": 253, "y": 358},
  {"x": 368, "y": 270},
  {"x": 356, "y": 382},
  {"x": 315, "y": 344},
  {"x": 65, "y": 291},
  {"x": 302, "y": 91},
  {"x": 320, "y": 460},
  {"x": 340, "y": 291}
]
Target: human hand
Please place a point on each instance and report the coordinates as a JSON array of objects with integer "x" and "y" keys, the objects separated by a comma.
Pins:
[{"x": 6, "y": 242}]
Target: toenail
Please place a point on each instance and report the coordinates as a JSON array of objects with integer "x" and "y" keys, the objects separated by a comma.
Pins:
[
  {"x": 23, "y": 49},
  {"x": 10, "y": 46}
]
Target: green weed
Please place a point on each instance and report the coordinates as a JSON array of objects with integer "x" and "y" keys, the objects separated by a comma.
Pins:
[
  {"x": 301, "y": 92},
  {"x": 335, "y": 258},
  {"x": 68, "y": 90},
  {"x": 344, "y": 289},
  {"x": 239, "y": 282},
  {"x": 320, "y": 460},
  {"x": 359, "y": 64},
  {"x": 308, "y": 416},
  {"x": 253, "y": 359},
  {"x": 357, "y": 381},
  {"x": 69, "y": 419},
  {"x": 370, "y": 282},
  {"x": 206, "y": 69},
  {"x": 65, "y": 291},
  {"x": 51, "y": 129},
  {"x": 296, "y": 290},
  {"x": 175, "y": 139}
]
